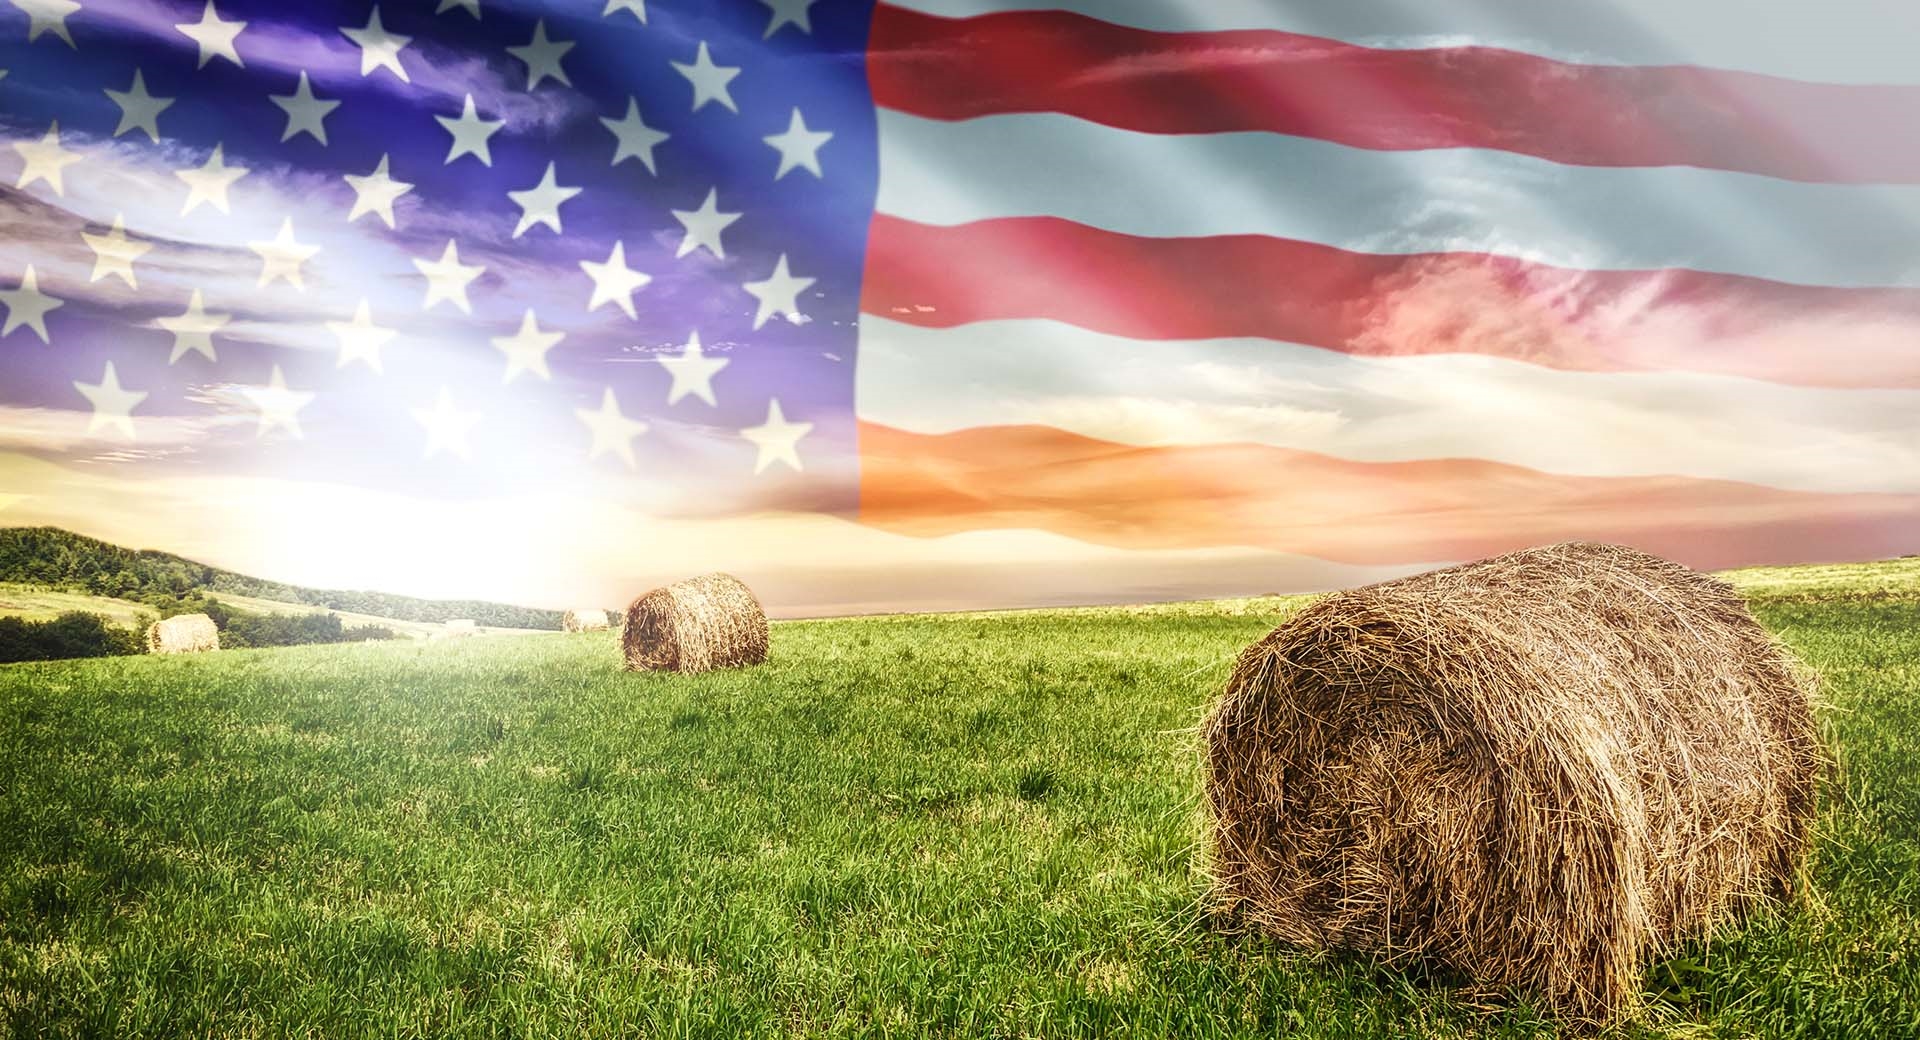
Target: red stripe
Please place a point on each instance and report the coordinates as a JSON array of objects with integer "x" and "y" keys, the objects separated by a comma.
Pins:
[
  {"x": 1352, "y": 512},
  {"x": 1453, "y": 97},
  {"x": 1367, "y": 304}
]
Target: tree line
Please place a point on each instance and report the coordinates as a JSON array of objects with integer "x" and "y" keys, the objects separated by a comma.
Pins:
[
  {"x": 78, "y": 633},
  {"x": 58, "y": 559}
]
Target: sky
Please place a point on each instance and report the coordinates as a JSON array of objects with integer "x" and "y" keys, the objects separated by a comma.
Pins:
[
  {"x": 345, "y": 420},
  {"x": 549, "y": 303},
  {"x": 525, "y": 505}
]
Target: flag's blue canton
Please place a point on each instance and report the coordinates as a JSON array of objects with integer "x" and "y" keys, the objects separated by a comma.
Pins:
[{"x": 365, "y": 426}]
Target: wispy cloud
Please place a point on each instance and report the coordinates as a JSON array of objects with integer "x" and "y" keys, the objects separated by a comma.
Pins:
[
  {"x": 65, "y": 433},
  {"x": 563, "y": 550},
  {"x": 443, "y": 74},
  {"x": 211, "y": 252}
]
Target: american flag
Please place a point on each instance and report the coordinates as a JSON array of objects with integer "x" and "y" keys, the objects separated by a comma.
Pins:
[{"x": 1200, "y": 294}]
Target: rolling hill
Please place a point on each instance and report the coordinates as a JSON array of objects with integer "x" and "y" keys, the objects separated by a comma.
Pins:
[{"x": 39, "y": 565}]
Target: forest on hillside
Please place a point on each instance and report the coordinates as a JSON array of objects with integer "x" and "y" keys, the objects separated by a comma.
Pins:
[{"x": 57, "y": 559}]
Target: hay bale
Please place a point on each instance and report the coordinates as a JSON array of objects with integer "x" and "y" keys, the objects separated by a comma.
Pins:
[
  {"x": 711, "y": 621},
  {"x": 1539, "y": 770},
  {"x": 593, "y": 620},
  {"x": 183, "y": 634}
]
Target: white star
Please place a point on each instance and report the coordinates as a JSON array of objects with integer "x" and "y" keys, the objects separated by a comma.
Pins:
[
  {"x": 704, "y": 226},
  {"x": 526, "y": 350},
  {"x": 540, "y": 204},
  {"x": 638, "y": 8},
  {"x": 472, "y": 7},
  {"x": 375, "y": 193},
  {"x": 447, "y": 278},
  {"x": 360, "y": 339},
  {"x": 709, "y": 80},
  {"x": 788, "y": 12},
  {"x": 470, "y": 133},
  {"x": 50, "y": 16},
  {"x": 614, "y": 281},
  {"x": 209, "y": 183},
  {"x": 306, "y": 114},
  {"x": 278, "y": 405},
  {"x": 193, "y": 331},
  {"x": 779, "y": 294},
  {"x": 542, "y": 56},
  {"x": 282, "y": 257},
  {"x": 693, "y": 372},
  {"x": 139, "y": 110},
  {"x": 27, "y": 305},
  {"x": 45, "y": 159},
  {"x": 612, "y": 431},
  {"x": 378, "y": 47},
  {"x": 447, "y": 426},
  {"x": 112, "y": 404},
  {"x": 114, "y": 253},
  {"x": 214, "y": 36},
  {"x": 635, "y": 138},
  {"x": 777, "y": 439},
  {"x": 798, "y": 146}
]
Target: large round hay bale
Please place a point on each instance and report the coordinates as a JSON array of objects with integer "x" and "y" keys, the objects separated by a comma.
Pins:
[
  {"x": 586, "y": 620},
  {"x": 702, "y": 623},
  {"x": 183, "y": 634},
  {"x": 1539, "y": 771}
]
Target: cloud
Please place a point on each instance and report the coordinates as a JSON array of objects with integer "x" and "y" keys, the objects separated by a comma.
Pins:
[
  {"x": 1148, "y": 420},
  {"x": 443, "y": 73},
  {"x": 210, "y": 252},
  {"x": 53, "y": 431},
  {"x": 560, "y": 550}
]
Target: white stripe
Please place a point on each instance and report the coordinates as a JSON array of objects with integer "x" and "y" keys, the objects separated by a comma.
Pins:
[
  {"x": 1386, "y": 409},
  {"x": 1837, "y": 41},
  {"x": 1441, "y": 200}
]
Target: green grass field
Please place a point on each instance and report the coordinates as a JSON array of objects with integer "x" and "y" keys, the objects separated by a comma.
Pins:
[
  {"x": 37, "y": 604},
  {"x": 412, "y": 629},
  {"x": 967, "y": 826}
]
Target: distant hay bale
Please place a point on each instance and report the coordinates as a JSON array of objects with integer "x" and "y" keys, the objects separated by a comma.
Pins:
[
  {"x": 1539, "y": 770},
  {"x": 702, "y": 623},
  {"x": 585, "y": 621},
  {"x": 183, "y": 634}
]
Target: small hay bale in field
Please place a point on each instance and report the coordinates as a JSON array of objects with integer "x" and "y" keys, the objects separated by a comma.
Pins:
[
  {"x": 584, "y": 621},
  {"x": 702, "y": 623},
  {"x": 183, "y": 634},
  {"x": 1539, "y": 770}
]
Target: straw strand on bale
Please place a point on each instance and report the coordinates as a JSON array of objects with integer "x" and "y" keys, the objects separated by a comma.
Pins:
[
  {"x": 1539, "y": 770},
  {"x": 183, "y": 634},
  {"x": 712, "y": 621}
]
